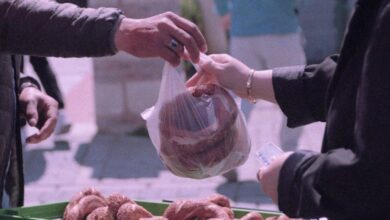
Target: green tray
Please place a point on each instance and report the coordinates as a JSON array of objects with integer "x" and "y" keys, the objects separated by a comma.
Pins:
[{"x": 55, "y": 211}]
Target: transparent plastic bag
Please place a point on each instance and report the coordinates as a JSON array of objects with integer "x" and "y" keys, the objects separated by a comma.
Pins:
[{"x": 198, "y": 132}]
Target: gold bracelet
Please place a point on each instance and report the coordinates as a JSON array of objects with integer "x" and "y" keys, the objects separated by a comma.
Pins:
[{"x": 249, "y": 87}]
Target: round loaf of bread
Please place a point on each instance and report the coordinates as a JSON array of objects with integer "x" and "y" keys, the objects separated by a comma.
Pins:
[{"x": 197, "y": 130}]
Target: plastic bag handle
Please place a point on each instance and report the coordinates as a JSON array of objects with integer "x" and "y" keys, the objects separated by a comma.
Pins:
[{"x": 203, "y": 58}]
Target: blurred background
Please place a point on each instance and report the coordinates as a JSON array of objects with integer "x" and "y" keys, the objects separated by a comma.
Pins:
[{"x": 106, "y": 144}]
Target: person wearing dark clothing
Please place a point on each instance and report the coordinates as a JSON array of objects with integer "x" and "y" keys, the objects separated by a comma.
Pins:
[
  {"x": 80, "y": 3},
  {"x": 46, "y": 28},
  {"x": 49, "y": 82},
  {"x": 48, "y": 79},
  {"x": 44, "y": 71},
  {"x": 350, "y": 178}
]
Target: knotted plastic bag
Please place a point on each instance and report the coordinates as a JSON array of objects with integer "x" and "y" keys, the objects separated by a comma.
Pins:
[{"x": 198, "y": 131}]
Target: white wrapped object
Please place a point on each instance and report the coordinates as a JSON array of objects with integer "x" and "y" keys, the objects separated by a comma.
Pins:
[{"x": 199, "y": 131}]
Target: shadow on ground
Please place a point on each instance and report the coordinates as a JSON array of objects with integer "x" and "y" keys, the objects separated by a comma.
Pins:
[
  {"x": 122, "y": 157},
  {"x": 37, "y": 162}
]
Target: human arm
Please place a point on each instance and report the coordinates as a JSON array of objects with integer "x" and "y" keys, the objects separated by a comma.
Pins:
[
  {"x": 300, "y": 91},
  {"x": 46, "y": 28},
  {"x": 42, "y": 28},
  {"x": 352, "y": 180},
  {"x": 151, "y": 37}
]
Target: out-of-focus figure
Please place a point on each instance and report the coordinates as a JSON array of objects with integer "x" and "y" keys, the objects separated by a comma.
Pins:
[
  {"x": 49, "y": 82},
  {"x": 265, "y": 35}
]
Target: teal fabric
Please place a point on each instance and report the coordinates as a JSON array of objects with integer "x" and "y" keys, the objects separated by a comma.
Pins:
[{"x": 260, "y": 17}]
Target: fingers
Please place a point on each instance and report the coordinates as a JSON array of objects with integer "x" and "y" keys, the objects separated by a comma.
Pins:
[
  {"x": 213, "y": 65},
  {"x": 45, "y": 132},
  {"x": 207, "y": 89},
  {"x": 48, "y": 109},
  {"x": 190, "y": 28},
  {"x": 187, "y": 34},
  {"x": 170, "y": 56},
  {"x": 220, "y": 58},
  {"x": 32, "y": 113},
  {"x": 183, "y": 38},
  {"x": 259, "y": 174},
  {"x": 193, "y": 80}
]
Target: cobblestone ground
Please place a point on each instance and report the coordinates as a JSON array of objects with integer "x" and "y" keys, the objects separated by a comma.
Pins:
[{"x": 64, "y": 165}]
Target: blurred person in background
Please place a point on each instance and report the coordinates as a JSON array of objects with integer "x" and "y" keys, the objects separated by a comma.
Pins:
[
  {"x": 264, "y": 35},
  {"x": 202, "y": 13},
  {"x": 46, "y": 28},
  {"x": 350, "y": 178}
]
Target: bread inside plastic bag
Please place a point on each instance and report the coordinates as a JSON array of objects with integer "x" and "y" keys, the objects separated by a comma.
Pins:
[{"x": 198, "y": 131}]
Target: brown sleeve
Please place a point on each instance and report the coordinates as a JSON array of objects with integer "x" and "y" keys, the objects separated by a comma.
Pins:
[{"x": 46, "y": 28}]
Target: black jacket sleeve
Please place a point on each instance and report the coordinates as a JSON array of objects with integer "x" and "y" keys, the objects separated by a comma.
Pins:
[
  {"x": 301, "y": 91},
  {"x": 47, "y": 28},
  {"x": 342, "y": 183}
]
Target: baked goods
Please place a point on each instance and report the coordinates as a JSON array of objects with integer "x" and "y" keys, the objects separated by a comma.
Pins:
[
  {"x": 252, "y": 216},
  {"x": 154, "y": 218},
  {"x": 191, "y": 209},
  {"x": 91, "y": 205},
  {"x": 220, "y": 200},
  {"x": 116, "y": 200},
  {"x": 83, "y": 204},
  {"x": 200, "y": 130},
  {"x": 131, "y": 211},
  {"x": 101, "y": 213}
]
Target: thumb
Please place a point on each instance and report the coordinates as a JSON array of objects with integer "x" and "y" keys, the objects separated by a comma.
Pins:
[
  {"x": 214, "y": 63},
  {"x": 210, "y": 66},
  {"x": 32, "y": 114}
]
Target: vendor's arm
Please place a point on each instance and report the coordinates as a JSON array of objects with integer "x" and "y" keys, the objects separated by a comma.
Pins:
[{"x": 46, "y": 28}]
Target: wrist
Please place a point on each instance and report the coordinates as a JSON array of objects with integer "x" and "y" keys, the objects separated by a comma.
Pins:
[
  {"x": 122, "y": 34},
  {"x": 114, "y": 33},
  {"x": 27, "y": 85},
  {"x": 249, "y": 85},
  {"x": 262, "y": 87}
]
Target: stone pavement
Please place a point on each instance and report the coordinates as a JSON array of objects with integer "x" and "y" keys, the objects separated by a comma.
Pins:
[{"x": 64, "y": 165}]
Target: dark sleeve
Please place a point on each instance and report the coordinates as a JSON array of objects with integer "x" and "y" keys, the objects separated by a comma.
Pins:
[
  {"x": 345, "y": 184},
  {"x": 27, "y": 80},
  {"x": 301, "y": 91},
  {"x": 47, "y": 28}
]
